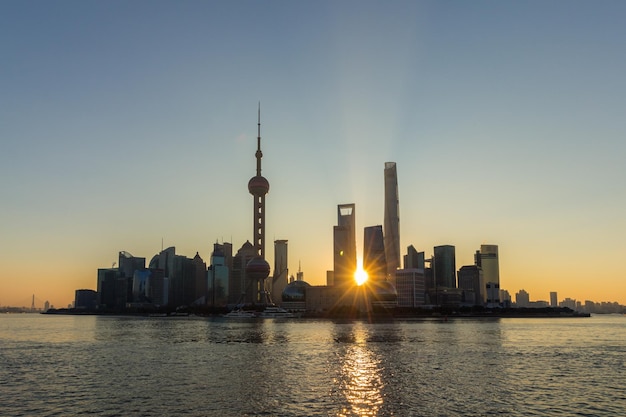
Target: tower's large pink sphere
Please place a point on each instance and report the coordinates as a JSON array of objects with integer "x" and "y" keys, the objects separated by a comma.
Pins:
[
  {"x": 258, "y": 185},
  {"x": 257, "y": 268}
]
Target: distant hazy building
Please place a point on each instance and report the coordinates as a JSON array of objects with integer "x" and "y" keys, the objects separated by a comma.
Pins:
[
  {"x": 554, "y": 302},
  {"x": 413, "y": 259},
  {"x": 522, "y": 299},
  {"x": 505, "y": 298},
  {"x": 444, "y": 269},
  {"x": 569, "y": 303},
  {"x": 281, "y": 271},
  {"x": 299, "y": 274},
  {"x": 344, "y": 246},
  {"x": 374, "y": 262},
  {"x": 410, "y": 287},
  {"x": 539, "y": 304},
  {"x": 392, "y": 218}
]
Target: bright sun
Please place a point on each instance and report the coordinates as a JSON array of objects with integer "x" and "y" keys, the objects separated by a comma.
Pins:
[{"x": 360, "y": 275}]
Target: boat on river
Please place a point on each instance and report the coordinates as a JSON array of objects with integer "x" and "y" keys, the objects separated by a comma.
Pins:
[
  {"x": 275, "y": 312},
  {"x": 241, "y": 314},
  {"x": 270, "y": 311}
]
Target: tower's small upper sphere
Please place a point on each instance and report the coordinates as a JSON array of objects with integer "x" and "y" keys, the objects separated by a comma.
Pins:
[
  {"x": 258, "y": 185},
  {"x": 257, "y": 268}
]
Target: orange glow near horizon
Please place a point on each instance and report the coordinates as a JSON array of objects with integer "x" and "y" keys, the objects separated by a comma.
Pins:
[{"x": 360, "y": 275}]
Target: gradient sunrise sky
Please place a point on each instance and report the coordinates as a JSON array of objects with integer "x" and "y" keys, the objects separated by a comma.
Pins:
[{"x": 125, "y": 123}]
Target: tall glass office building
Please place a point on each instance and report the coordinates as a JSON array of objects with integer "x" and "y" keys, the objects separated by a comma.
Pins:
[
  {"x": 392, "y": 219},
  {"x": 491, "y": 272},
  {"x": 445, "y": 267},
  {"x": 344, "y": 245},
  {"x": 374, "y": 261}
]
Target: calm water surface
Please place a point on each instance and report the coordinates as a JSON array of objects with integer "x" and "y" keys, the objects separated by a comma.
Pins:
[{"x": 127, "y": 366}]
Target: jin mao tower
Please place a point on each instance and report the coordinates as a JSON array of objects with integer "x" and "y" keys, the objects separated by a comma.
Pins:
[{"x": 344, "y": 245}]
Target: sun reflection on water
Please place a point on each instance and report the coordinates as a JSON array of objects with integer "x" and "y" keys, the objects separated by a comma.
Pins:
[{"x": 360, "y": 378}]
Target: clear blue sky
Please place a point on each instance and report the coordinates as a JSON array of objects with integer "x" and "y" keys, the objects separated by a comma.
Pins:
[{"x": 126, "y": 122}]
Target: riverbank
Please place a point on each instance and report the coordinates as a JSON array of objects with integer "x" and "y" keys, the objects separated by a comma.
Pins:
[{"x": 347, "y": 313}]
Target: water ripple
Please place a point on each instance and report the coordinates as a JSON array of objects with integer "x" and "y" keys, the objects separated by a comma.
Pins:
[{"x": 110, "y": 366}]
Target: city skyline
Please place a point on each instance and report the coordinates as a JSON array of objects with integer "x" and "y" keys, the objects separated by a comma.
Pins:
[{"x": 128, "y": 125}]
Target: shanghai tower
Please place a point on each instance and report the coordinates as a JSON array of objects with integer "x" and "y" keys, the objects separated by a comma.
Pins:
[{"x": 392, "y": 219}]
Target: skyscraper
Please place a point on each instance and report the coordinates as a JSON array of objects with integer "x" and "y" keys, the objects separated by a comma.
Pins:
[
  {"x": 257, "y": 268},
  {"x": 471, "y": 282},
  {"x": 344, "y": 245},
  {"x": 410, "y": 287},
  {"x": 127, "y": 266},
  {"x": 218, "y": 276},
  {"x": 106, "y": 285},
  {"x": 413, "y": 258},
  {"x": 522, "y": 298},
  {"x": 392, "y": 219},
  {"x": 554, "y": 302},
  {"x": 240, "y": 285},
  {"x": 281, "y": 270},
  {"x": 445, "y": 267},
  {"x": 491, "y": 272},
  {"x": 374, "y": 262}
]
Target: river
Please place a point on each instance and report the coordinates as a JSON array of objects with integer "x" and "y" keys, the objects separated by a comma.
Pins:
[{"x": 56, "y": 365}]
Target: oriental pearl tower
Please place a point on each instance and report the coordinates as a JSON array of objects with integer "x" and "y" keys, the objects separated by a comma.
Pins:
[{"x": 257, "y": 268}]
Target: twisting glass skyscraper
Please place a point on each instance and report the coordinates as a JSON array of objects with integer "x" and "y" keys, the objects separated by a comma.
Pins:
[{"x": 392, "y": 219}]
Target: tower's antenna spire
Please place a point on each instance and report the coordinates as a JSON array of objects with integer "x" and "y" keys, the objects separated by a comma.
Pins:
[{"x": 259, "y": 154}]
